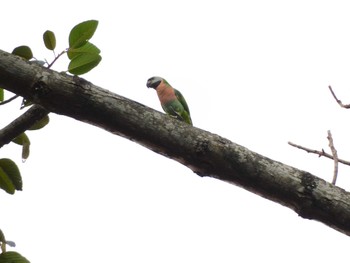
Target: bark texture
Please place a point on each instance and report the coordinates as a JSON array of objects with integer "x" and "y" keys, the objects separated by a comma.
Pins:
[
  {"x": 205, "y": 153},
  {"x": 21, "y": 124}
]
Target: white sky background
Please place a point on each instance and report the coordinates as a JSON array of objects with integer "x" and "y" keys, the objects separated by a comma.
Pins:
[{"x": 255, "y": 72}]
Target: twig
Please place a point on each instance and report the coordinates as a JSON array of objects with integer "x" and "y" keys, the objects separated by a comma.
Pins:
[
  {"x": 319, "y": 153},
  {"x": 60, "y": 54},
  {"x": 21, "y": 124},
  {"x": 9, "y": 100},
  {"x": 335, "y": 156},
  {"x": 346, "y": 106}
]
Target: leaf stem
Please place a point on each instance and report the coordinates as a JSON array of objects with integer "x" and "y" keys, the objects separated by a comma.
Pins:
[
  {"x": 9, "y": 100},
  {"x": 60, "y": 54}
]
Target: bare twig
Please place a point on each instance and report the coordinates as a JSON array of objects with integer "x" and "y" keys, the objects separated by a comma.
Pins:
[
  {"x": 9, "y": 100},
  {"x": 335, "y": 156},
  {"x": 60, "y": 54},
  {"x": 346, "y": 106},
  {"x": 319, "y": 153}
]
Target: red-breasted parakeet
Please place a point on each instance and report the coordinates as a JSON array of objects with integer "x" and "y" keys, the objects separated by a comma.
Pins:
[{"x": 172, "y": 101}]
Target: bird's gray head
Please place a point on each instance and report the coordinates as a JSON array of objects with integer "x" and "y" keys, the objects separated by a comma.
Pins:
[{"x": 154, "y": 82}]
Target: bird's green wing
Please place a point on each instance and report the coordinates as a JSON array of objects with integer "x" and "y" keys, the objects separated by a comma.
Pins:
[{"x": 182, "y": 100}]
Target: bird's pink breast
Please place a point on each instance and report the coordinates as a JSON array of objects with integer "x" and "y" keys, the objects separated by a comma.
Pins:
[{"x": 165, "y": 93}]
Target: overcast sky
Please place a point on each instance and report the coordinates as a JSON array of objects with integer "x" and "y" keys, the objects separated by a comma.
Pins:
[{"x": 255, "y": 72}]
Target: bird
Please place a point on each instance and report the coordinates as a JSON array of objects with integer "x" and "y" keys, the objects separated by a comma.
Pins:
[{"x": 171, "y": 100}]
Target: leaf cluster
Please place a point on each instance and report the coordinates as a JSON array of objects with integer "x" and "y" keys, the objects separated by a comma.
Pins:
[
  {"x": 9, "y": 256},
  {"x": 83, "y": 56}
]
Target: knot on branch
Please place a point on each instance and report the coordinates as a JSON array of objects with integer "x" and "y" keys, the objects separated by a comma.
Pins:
[
  {"x": 40, "y": 87},
  {"x": 309, "y": 183}
]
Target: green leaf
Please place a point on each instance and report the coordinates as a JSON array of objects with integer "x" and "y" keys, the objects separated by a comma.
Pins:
[
  {"x": 81, "y": 33},
  {"x": 5, "y": 182},
  {"x": 2, "y": 242},
  {"x": 25, "y": 152},
  {"x": 2, "y": 237},
  {"x": 83, "y": 63},
  {"x": 40, "y": 124},
  {"x": 1, "y": 94},
  {"x": 24, "y": 52},
  {"x": 88, "y": 48},
  {"x": 23, "y": 140},
  {"x": 49, "y": 40},
  {"x": 12, "y": 257},
  {"x": 12, "y": 171}
]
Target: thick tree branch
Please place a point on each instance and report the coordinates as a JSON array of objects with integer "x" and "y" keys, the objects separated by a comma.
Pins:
[
  {"x": 205, "y": 153},
  {"x": 21, "y": 124}
]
